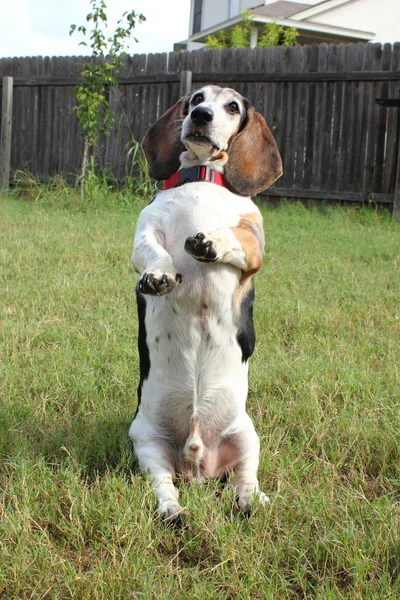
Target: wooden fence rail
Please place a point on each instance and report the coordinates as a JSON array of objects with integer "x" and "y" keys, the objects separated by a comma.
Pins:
[{"x": 319, "y": 102}]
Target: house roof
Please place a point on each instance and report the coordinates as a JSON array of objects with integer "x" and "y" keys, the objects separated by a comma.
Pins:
[
  {"x": 285, "y": 9},
  {"x": 281, "y": 8}
]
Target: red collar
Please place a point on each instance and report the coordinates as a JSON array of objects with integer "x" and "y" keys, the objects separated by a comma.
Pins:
[{"x": 194, "y": 174}]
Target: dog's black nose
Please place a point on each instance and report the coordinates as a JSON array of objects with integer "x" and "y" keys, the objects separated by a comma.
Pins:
[{"x": 201, "y": 115}]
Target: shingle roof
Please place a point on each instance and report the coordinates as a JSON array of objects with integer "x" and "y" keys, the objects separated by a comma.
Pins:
[{"x": 280, "y": 9}]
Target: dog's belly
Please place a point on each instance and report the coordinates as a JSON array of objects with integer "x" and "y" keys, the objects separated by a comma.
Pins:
[
  {"x": 196, "y": 364},
  {"x": 195, "y": 367}
]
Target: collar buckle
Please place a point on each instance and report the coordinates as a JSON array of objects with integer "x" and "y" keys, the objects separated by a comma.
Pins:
[{"x": 189, "y": 174}]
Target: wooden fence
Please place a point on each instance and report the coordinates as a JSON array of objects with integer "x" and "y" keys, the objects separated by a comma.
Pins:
[{"x": 319, "y": 101}]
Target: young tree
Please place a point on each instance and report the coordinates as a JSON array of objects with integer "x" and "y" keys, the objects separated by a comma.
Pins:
[
  {"x": 239, "y": 36},
  {"x": 276, "y": 35},
  {"x": 99, "y": 74}
]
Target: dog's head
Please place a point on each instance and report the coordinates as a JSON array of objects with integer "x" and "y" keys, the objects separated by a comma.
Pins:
[{"x": 215, "y": 124}]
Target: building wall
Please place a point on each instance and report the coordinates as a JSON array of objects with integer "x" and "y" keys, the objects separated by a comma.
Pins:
[
  {"x": 214, "y": 12},
  {"x": 249, "y": 4},
  {"x": 381, "y": 18},
  {"x": 191, "y": 18}
]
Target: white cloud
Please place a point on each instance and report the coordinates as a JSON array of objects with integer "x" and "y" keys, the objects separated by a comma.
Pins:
[{"x": 41, "y": 27}]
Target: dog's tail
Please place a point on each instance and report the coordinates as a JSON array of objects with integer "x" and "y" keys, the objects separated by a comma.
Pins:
[{"x": 194, "y": 447}]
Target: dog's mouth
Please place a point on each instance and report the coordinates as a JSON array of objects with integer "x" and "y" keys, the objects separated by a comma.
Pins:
[{"x": 199, "y": 138}]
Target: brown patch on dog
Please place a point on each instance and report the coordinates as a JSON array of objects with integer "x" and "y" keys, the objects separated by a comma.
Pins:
[
  {"x": 250, "y": 234},
  {"x": 162, "y": 143},
  {"x": 254, "y": 160},
  {"x": 243, "y": 288}
]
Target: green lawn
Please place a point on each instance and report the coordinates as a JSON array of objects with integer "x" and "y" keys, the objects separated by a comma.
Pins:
[{"x": 77, "y": 519}]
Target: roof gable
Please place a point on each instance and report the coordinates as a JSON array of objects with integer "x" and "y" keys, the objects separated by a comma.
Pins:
[
  {"x": 311, "y": 11},
  {"x": 281, "y": 8}
]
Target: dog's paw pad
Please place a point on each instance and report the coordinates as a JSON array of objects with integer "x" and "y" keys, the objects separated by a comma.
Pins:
[
  {"x": 157, "y": 283},
  {"x": 200, "y": 248}
]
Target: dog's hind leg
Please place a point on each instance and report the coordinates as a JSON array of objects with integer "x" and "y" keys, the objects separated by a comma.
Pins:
[
  {"x": 246, "y": 445},
  {"x": 156, "y": 460}
]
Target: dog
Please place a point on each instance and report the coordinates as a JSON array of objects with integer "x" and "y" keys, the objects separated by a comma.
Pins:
[{"x": 197, "y": 247}]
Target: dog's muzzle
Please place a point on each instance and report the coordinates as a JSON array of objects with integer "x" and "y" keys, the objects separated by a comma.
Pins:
[
  {"x": 201, "y": 118},
  {"x": 202, "y": 115}
]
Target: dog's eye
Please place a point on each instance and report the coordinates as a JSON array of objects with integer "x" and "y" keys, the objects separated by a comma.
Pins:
[
  {"x": 233, "y": 107},
  {"x": 198, "y": 99}
]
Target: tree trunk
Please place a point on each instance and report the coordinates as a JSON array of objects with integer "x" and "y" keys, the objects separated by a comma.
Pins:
[{"x": 83, "y": 167}]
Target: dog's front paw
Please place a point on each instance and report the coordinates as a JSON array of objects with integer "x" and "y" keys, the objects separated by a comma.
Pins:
[
  {"x": 201, "y": 248},
  {"x": 157, "y": 283}
]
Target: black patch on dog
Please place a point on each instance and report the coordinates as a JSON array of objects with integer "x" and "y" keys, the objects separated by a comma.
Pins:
[
  {"x": 144, "y": 355},
  {"x": 246, "y": 336}
]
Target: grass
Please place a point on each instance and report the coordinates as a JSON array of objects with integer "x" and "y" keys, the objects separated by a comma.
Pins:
[{"x": 77, "y": 519}]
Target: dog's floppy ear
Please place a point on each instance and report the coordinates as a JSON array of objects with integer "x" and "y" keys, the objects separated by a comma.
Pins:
[
  {"x": 162, "y": 144},
  {"x": 254, "y": 161}
]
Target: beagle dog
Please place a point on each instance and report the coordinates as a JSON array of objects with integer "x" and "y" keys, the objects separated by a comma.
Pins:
[{"x": 197, "y": 247}]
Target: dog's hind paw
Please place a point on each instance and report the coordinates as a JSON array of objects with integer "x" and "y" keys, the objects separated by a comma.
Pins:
[
  {"x": 157, "y": 283},
  {"x": 200, "y": 248},
  {"x": 172, "y": 513},
  {"x": 248, "y": 501}
]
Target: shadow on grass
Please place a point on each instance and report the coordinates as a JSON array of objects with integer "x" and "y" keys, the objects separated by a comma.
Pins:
[{"x": 96, "y": 445}]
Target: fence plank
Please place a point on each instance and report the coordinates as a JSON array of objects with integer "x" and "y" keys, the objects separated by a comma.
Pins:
[
  {"x": 301, "y": 123},
  {"x": 294, "y": 132},
  {"x": 382, "y": 92},
  {"x": 360, "y": 142},
  {"x": 310, "y": 121},
  {"x": 375, "y": 62},
  {"x": 321, "y": 129},
  {"x": 333, "y": 182},
  {"x": 6, "y": 130}
]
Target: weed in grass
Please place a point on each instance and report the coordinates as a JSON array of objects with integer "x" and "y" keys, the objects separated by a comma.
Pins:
[
  {"x": 102, "y": 190},
  {"x": 77, "y": 519}
]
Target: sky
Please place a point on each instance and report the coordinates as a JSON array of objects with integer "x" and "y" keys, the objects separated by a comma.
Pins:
[{"x": 41, "y": 27}]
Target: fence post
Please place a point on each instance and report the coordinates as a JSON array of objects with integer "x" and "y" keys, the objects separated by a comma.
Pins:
[
  {"x": 5, "y": 138},
  {"x": 186, "y": 83},
  {"x": 253, "y": 38}
]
